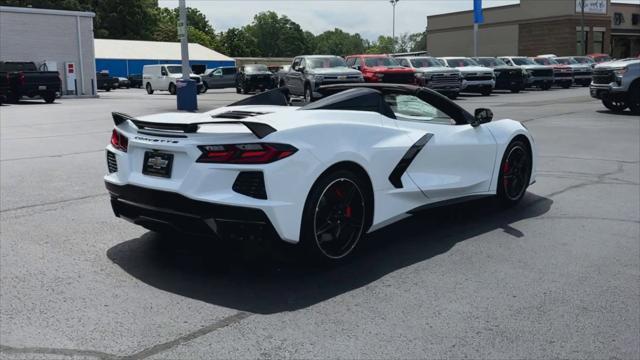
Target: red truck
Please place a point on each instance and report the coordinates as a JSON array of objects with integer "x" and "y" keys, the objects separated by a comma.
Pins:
[
  {"x": 381, "y": 68},
  {"x": 562, "y": 74}
]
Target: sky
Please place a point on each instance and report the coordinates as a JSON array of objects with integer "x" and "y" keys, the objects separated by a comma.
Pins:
[{"x": 369, "y": 18}]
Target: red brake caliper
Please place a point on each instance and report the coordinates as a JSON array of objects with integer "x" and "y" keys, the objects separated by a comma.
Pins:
[{"x": 505, "y": 172}]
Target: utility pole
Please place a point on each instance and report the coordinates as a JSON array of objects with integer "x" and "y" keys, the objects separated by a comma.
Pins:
[
  {"x": 583, "y": 40},
  {"x": 184, "y": 41},
  {"x": 393, "y": 36}
]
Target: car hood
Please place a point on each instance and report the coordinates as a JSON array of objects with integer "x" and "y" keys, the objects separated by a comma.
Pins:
[
  {"x": 536, "y": 67},
  {"x": 438, "y": 69},
  {"x": 506, "y": 67},
  {"x": 580, "y": 67},
  {"x": 475, "y": 69},
  {"x": 618, "y": 64},
  {"x": 385, "y": 69},
  {"x": 340, "y": 70}
]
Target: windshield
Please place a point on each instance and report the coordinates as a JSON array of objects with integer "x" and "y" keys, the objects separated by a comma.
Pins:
[
  {"x": 412, "y": 108},
  {"x": 566, "y": 61},
  {"x": 523, "y": 61},
  {"x": 461, "y": 62},
  {"x": 255, "y": 68},
  {"x": 601, "y": 59},
  {"x": 584, "y": 60},
  {"x": 545, "y": 61},
  {"x": 491, "y": 62},
  {"x": 424, "y": 62},
  {"x": 380, "y": 61},
  {"x": 325, "y": 62}
]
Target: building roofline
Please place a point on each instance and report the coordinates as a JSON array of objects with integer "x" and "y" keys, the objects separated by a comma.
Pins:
[
  {"x": 23, "y": 10},
  {"x": 471, "y": 11}
]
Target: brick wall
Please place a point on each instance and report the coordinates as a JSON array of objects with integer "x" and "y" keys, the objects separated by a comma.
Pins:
[{"x": 558, "y": 36}]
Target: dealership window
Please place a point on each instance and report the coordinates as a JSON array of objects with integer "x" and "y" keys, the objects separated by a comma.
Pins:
[
  {"x": 598, "y": 42},
  {"x": 581, "y": 51}
]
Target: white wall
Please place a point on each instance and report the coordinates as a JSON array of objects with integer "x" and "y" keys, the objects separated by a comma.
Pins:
[{"x": 32, "y": 36}]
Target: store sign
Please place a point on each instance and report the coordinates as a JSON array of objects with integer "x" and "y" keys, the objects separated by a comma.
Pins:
[{"x": 592, "y": 6}]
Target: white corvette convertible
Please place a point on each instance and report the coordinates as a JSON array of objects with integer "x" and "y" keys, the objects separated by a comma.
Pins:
[{"x": 322, "y": 175}]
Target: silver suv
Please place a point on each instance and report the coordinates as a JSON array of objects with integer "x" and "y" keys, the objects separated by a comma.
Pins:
[
  {"x": 617, "y": 84},
  {"x": 431, "y": 74},
  {"x": 308, "y": 73}
]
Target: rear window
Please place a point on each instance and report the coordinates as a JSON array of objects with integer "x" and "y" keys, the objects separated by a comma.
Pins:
[
  {"x": 523, "y": 61},
  {"x": 228, "y": 71},
  {"x": 424, "y": 62},
  {"x": 255, "y": 68},
  {"x": 17, "y": 66},
  {"x": 325, "y": 62}
]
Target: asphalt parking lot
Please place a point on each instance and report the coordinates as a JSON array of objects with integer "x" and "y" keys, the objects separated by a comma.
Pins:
[{"x": 556, "y": 277}]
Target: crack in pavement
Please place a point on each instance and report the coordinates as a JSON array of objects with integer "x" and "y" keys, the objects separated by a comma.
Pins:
[
  {"x": 51, "y": 203},
  {"x": 52, "y": 156},
  {"x": 597, "y": 218},
  {"x": 143, "y": 354}
]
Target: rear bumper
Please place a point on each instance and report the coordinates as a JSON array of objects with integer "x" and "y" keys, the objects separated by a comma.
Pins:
[{"x": 164, "y": 210}]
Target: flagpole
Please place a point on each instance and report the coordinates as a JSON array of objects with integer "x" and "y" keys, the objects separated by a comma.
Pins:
[{"x": 475, "y": 40}]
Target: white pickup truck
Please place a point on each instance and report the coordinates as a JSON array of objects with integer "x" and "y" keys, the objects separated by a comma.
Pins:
[{"x": 617, "y": 84}]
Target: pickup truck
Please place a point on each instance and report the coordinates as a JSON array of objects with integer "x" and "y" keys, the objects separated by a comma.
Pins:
[
  {"x": 617, "y": 84},
  {"x": 508, "y": 77},
  {"x": 308, "y": 72},
  {"x": 475, "y": 78},
  {"x": 24, "y": 79},
  {"x": 381, "y": 68},
  {"x": 539, "y": 76},
  {"x": 562, "y": 74},
  {"x": 104, "y": 81},
  {"x": 582, "y": 72},
  {"x": 431, "y": 74}
]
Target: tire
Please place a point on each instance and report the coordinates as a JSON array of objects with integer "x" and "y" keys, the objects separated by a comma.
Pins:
[
  {"x": 108, "y": 89},
  {"x": 634, "y": 99},
  {"x": 12, "y": 99},
  {"x": 205, "y": 87},
  {"x": 452, "y": 96},
  {"x": 48, "y": 97},
  {"x": 617, "y": 106},
  {"x": 172, "y": 89},
  {"x": 566, "y": 85},
  {"x": 238, "y": 90},
  {"x": 515, "y": 90},
  {"x": 335, "y": 216},
  {"x": 149, "y": 89},
  {"x": 246, "y": 90},
  {"x": 515, "y": 173},
  {"x": 545, "y": 86},
  {"x": 308, "y": 94},
  {"x": 486, "y": 92}
]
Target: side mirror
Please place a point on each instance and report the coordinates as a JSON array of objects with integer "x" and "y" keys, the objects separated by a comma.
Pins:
[
  {"x": 482, "y": 116},
  {"x": 301, "y": 69},
  {"x": 357, "y": 67}
]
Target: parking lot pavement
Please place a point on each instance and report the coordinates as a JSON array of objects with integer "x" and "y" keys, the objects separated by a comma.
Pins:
[{"x": 557, "y": 276}]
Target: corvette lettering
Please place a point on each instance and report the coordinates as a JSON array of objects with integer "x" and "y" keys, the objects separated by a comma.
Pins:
[{"x": 163, "y": 141}]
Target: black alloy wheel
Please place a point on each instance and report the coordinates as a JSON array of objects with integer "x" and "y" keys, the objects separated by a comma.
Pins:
[
  {"x": 339, "y": 218},
  {"x": 515, "y": 173}
]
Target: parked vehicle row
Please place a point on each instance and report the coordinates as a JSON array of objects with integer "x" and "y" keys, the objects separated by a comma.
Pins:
[
  {"x": 23, "y": 79},
  {"x": 617, "y": 84}
]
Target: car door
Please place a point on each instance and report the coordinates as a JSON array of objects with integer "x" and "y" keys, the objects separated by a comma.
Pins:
[
  {"x": 456, "y": 159},
  {"x": 229, "y": 77},
  {"x": 294, "y": 78},
  {"x": 216, "y": 79},
  {"x": 165, "y": 79}
]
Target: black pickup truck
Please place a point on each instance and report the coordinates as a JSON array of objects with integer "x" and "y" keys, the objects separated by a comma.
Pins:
[
  {"x": 24, "y": 79},
  {"x": 104, "y": 81}
]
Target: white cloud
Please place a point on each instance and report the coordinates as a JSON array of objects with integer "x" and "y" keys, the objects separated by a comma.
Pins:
[{"x": 370, "y": 18}]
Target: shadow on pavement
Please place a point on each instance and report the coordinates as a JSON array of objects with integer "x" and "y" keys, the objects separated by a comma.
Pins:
[{"x": 223, "y": 275}]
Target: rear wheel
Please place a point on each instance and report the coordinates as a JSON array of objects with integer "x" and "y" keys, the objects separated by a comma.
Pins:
[
  {"x": 149, "y": 89},
  {"x": 615, "y": 105},
  {"x": 545, "y": 86},
  {"x": 172, "y": 89},
  {"x": 515, "y": 173},
  {"x": 566, "y": 85},
  {"x": 49, "y": 97},
  {"x": 486, "y": 92},
  {"x": 205, "y": 87},
  {"x": 335, "y": 216},
  {"x": 515, "y": 90},
  {"x": 452, "y": 96}
]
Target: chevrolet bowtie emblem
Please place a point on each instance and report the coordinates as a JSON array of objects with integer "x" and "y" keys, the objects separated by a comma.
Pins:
[{"x": 157, "y": 162}]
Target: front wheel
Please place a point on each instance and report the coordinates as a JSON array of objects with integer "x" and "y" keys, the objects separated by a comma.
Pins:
[
  {"x": 515, "y": 173},
  {"x": 308, "y": 94},
  {"x": 634, "y": 99},
  {"x": 172, "y": 89},
  {"x": 486, "y": 92},
  {"x": 335, "y": 216},
  {"x": 615, "y": 105},
  {"x": 49, "y": 97},
  {"x": 545, "y": 86},
  {"x": 515, "y": 90},
  {"x": 205, "y": 87},
  {"x": 149, "y": 89}
]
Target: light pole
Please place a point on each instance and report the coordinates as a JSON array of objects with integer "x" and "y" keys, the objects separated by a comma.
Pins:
[
  {"x": 582, "y": 39},
  {"x": 393, "y": 34}
]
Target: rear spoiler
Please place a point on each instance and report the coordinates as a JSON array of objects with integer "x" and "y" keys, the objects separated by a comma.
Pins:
[{"x": 260, "y": 130}]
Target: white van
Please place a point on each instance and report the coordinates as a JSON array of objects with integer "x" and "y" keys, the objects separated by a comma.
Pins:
[{"x": 164, "y": 77}]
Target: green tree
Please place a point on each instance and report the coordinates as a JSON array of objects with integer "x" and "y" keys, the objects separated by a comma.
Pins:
[
  {"x": 418, "y": 41},
  {"x": 384, "y": 45},
  {"x": 238, "y": 43},
  {"x": 276, "y": 35},
  {"x": 338, "y": 42}
]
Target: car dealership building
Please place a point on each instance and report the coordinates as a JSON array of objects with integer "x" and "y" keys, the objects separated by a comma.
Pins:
[{"x": 535, "y": 27}]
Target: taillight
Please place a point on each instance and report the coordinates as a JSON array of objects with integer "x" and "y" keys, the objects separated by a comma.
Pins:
[
  {"x": 119, "y": 141},
  {"x": 256, "y": 153}
]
